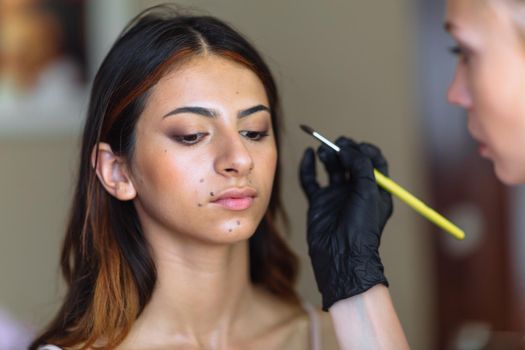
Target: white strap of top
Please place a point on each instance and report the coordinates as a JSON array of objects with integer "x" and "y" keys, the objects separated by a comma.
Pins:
[{"x": 315, "y": 331}]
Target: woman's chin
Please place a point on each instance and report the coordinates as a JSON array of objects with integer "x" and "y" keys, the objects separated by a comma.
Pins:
[
  {"x": 509, "y": 175},
  {"x": 229, "y": 232}
]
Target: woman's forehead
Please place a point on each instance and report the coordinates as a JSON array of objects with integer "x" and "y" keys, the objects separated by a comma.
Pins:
[
  {"x": 471, "y": 20},
  {"x": 207, "y": 82},
  {"x": 206, "y": 74}
]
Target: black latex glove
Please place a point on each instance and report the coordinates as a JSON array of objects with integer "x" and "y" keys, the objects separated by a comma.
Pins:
[{"x": 345, "y": 219}]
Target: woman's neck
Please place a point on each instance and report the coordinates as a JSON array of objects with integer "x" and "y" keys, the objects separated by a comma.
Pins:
[{"x": 202, "y": 293}]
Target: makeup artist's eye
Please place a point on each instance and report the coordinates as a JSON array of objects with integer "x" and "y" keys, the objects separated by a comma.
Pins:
[
  {"x": 254, "y": 135},
  {"x": 190, "y": 139},
  {"x": 459, "y": 52}
]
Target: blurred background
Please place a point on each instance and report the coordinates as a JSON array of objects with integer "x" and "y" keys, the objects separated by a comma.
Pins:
[{"x": 375, "y": 71}]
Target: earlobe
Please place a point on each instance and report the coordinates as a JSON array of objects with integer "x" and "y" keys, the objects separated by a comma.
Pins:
[{"x": 112, "y": 172}]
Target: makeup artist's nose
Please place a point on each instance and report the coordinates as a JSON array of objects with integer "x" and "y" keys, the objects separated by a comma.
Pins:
[
  {"x": 458, "y": 92},
  {"x": 233, "y": 159}
]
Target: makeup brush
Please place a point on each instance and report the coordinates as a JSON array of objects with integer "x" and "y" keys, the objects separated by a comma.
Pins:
[{"x": 392, "y": 187}]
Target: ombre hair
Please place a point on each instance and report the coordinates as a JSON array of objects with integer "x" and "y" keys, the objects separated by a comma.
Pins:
[{"x": 106, "y": 260}]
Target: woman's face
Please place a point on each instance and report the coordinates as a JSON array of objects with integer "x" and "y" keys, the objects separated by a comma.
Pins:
[
  {"x": 205, "y": 153},
  {"x": 490, "y": 81}
]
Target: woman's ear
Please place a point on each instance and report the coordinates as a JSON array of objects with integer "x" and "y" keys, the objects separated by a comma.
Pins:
[{"x": 112, "y": 172}]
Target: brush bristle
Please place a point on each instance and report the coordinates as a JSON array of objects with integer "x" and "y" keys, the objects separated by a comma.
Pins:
[{"x": 307, "y": 129}]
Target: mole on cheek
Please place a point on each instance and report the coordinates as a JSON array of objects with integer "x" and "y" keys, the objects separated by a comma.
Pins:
[
  {"x": 201, "y": 180},
  {"x": 198, "y": 204},
  {"x": 230, "y": 230},
  {"x": 211, "y": 194},
  {"x": 238, "y": 222}
]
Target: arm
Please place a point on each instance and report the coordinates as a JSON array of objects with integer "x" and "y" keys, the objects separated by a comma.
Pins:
[
  {"x": 345, "y": 223},
  {"x": 368, "y": 321}
]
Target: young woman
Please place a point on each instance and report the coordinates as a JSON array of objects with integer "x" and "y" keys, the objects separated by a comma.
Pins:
[
  {"x": 490, "y": 78},
  {"x": 172, "y": 241}
]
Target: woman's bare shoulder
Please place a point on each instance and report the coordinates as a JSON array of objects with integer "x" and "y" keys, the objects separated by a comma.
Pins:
[
  {"x": 297, "y": 327},
  {"x": 279, "y": 324},
  {"x": 327, "y": 331},
  {"x": 303, "y": 328}
]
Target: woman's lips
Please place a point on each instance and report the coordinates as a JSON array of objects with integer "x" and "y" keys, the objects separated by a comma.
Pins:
[
  {"x": 483, "y": 150},
  {"x": 235, "y": 203},
  {"x": 236, "y": 198}
]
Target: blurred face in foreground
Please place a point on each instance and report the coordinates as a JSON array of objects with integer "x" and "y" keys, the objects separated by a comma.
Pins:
[
  {"x": 205, "y": 153},
  {"x": 490, "y": 80}
]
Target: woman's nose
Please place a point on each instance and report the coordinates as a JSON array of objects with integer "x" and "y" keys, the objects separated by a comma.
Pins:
[
  {"x": 234, "y": 158},
  {"x": 458, "y": 92}
]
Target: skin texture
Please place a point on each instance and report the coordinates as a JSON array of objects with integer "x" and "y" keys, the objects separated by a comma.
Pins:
[
  {"x": 374, "y": 321},
  {"x": 490, "y": 80},
  {"x": 203, "y": 298},
  {"x": 167, "y": 173}
]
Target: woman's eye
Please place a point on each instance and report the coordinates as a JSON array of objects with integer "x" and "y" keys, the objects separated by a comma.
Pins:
[
  {"x": 254, "y": 135},
  {"x": 190, "y": 139},
  {"x": 455, "y": 50},
  {"x": 459, "y": 52}
]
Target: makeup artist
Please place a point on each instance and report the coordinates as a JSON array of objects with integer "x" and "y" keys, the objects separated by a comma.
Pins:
[
  {"x": 489, "y": 83},
  {"x": 171, "y": 241},
  {"x": 490, "y": 79}
]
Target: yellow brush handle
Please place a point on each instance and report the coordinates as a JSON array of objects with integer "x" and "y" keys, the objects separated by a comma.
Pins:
[
  {"x": 418, "y": 205},
  {"x": 400, "y": 192}
]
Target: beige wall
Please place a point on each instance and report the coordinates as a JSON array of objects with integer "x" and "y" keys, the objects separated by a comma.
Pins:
[
  {"x": 35, "y": 187},
  {"x": 343, "y": 67}
]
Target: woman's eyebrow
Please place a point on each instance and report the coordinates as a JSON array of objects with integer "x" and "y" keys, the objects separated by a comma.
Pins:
[
  {"x": 212, "y": 113},
  {"x": 253, "y": 110},
  {"x": 206, "y": 112},
  {"x": 449, "y": 26}
]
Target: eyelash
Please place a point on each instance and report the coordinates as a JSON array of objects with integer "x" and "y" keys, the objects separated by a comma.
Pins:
[
  {"x": 193, "y": 139},
  {"x": 254, "y": 135},
  {"x": 455, "y": 50},
  {"x": 190, "y": 139},
  {"x": 459, "y": 52}
]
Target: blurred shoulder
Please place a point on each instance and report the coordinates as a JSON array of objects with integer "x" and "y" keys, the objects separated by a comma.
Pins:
[{"x": 328, "y": 339}]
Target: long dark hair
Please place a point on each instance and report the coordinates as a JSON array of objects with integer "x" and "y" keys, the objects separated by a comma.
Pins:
[{"x": 106, "y": 260}]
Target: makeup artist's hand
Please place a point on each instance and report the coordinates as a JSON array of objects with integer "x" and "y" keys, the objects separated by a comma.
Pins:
[{"x": 345, "y": 219}]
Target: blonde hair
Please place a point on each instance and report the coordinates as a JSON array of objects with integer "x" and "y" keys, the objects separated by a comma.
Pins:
[{"x": 517, "y": 13}]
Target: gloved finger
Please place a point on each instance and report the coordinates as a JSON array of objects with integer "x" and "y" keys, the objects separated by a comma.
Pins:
[
  {"x": 343, "y": 141},
  {"x": 357, "y": 164},
  {"x": 379, "y": 162},
  {"x": 374, "y": 153},
  {"x": 307, "y": 174},
  {"x": 332, "y": 164},
  {"x": 354, "y": 161}
]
